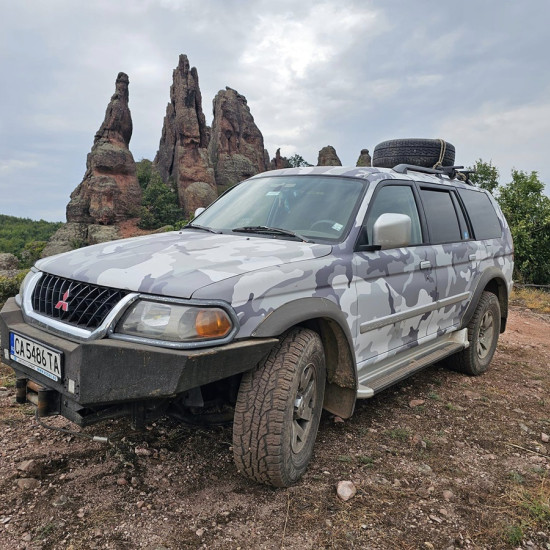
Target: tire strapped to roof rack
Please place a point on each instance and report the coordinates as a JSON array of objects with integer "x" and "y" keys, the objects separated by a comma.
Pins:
[{"x": 420, "y": 152}]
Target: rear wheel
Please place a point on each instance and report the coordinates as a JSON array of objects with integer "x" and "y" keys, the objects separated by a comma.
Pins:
[
  {"x": 483, "y": 331},
  {"x": 278, "y": 411}
]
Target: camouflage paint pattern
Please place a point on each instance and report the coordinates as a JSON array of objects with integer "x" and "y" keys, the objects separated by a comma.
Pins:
[{"x": 257, "y": 275}]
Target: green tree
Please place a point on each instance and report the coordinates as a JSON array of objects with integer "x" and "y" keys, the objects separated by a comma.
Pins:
[
  {"x": 144, "y": 170},
  {"x": 486, "y": 175},
  {"x": 296, "y": 161},
  {"x": 159, "y": 204},
  {"x": 527, "y": 210}
]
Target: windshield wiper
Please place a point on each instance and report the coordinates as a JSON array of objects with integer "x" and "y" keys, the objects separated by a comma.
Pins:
[
  {"x": 202, "y": 227},
  {"x": 262, "y": 229}
]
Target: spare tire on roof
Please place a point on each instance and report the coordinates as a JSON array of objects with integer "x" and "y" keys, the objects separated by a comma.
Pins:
[{"x": 420, "y": 152}]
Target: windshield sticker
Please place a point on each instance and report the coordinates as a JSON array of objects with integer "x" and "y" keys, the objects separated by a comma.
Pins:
[{"x": 337, "y": 226}]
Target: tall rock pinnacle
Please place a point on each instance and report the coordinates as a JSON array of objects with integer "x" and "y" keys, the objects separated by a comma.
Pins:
[
  {"x": 109, "y": 192},
  {"x": 328, "y": 157},
  {"x": 182, "y": 153},
  {"x": 236, "y": 146}
]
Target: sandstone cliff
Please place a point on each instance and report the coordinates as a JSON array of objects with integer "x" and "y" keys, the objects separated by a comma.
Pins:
[
  {"x": 109, "y": 192},
  {"x": 182, "y": 153},
  {"x": 236, "y": 146},
  {"x": 364, "y": 158},
  {"x": 328, "y": 157},
  {"x": 278, "y": 161}
]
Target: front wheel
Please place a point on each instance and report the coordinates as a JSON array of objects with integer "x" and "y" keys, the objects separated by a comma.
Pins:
[
  {"x": 483, "y": 332},
  {"x": 278, "y": 411}
]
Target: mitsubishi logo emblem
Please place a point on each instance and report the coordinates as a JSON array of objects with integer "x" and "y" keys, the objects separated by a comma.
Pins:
[{"x": 62, "y": 304}]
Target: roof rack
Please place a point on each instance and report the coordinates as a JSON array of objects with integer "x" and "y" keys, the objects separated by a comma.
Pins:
[{"x": 449, "y": 171}]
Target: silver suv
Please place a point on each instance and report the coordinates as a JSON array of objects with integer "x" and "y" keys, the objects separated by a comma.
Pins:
[{"x": 297, "y": 290}]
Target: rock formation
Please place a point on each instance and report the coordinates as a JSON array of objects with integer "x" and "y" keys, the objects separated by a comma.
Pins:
[
  {"x": 278, "y": 161},
  {"x": 364, "y": 158},
  {"x": 198, "y": 194},
  {"x": 237, "y": 146},
  {"x": 109, "y": 192},
  {"x": 328, "y": 157},
  {"x": 183, "y": 153}
]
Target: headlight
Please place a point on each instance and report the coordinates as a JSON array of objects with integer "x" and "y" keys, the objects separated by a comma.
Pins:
[{"x": 174, "y": 322}]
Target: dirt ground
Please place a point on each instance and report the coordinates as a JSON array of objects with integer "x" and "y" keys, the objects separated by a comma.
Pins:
[{"x": 440, "y": 461}]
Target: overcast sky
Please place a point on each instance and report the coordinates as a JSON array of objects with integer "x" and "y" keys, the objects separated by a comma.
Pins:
[{"x": 349, "y": 73}]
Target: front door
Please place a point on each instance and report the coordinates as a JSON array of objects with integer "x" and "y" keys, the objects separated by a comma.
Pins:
[{"x": 396, "y": 288}]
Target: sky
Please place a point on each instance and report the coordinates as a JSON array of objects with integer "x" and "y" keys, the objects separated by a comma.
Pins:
[{"x": 346, "y": 73}]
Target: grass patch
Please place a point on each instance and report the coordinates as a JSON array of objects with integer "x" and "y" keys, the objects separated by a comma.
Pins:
[
  {"x": 516, "y": 477},
  {"x": 401, "y": 434},
  {"x": 7, "y": 377},
  {"x": 531, "y": 506},
  {"x": 366, "y": 460},
  {"x": 514, "y": 534},
  {"x": 533, "y": 298}
]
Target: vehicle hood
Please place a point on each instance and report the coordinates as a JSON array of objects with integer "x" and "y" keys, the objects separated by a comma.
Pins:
[{"x": 178, "y": 263}]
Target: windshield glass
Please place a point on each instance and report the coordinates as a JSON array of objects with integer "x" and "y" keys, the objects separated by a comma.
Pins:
[{"x": 312, "y": 207}]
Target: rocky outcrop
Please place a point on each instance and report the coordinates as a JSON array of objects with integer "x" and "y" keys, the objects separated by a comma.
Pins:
[
  {"x": 364, "y": 158},
  {"x": 328, "y": 157},
  {"x": 237, "y": 146},
  {"x": 198, "y": 194},
  {"x": 8, "y": 262},
  {"x": 183, "y": 154},
  {"x": 76, "y": 235},
  {"x": 109, "y": 192},
  {"x": 278, "y": 161}
]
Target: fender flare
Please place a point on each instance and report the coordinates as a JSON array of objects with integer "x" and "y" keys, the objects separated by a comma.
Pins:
[
  {"x": 328, "y": 320},
  {"x": 494, "y": 280}
]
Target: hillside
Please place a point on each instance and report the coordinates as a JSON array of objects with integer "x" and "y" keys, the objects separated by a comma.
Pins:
[{"x": 16, "y": 233}]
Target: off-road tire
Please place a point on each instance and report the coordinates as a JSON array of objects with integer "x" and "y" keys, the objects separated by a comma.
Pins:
[
  {"x": 483, "y": 332},
  {"x": 419, "y": 152},
  {"x": 271, "y": 407}
]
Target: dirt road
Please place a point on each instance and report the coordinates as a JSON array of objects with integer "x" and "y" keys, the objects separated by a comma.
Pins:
[{"x": 440, "y": 461}]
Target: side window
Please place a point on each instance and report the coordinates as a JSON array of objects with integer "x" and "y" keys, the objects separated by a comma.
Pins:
[
  {"x": 482, "y": 214},
  {"x": 440, "y": 216},
  {"x": 395, "y": 199}
]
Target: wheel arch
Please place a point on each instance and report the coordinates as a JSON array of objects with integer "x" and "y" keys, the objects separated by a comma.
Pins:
[
  {"x": 492, "y": 280},
  {"x": 326, "y": 319}
]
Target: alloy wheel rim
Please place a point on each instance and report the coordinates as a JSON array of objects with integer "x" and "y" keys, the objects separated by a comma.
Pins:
[
  {"x": 486, "y": 334},
  {"x": 304, "y": 402}
]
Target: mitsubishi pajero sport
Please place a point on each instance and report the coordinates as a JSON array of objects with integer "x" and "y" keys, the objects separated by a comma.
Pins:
[{"x": 297, "y": 290}]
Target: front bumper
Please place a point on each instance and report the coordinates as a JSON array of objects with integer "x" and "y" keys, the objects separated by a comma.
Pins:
[{"x": 102, "y": 373}]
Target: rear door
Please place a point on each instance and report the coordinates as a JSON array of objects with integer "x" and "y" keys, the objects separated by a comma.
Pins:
[{"x": 456, "y": 253}]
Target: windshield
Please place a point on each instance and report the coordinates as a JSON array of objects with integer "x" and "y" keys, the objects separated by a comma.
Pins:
[{"x": 304, "y": 207}]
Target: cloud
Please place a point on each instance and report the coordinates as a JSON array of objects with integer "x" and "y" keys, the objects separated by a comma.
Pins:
[
  {"x": 509, "y": 136},
  {"x": 9, "y": 167},
  {"x": 349, "y": 73}
]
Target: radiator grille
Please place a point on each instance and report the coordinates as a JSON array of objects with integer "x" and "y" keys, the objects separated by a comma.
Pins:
[{"x": 79, "y": 304}]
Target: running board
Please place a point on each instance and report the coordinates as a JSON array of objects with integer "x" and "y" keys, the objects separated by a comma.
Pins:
[{"x": 393, "y": 369}]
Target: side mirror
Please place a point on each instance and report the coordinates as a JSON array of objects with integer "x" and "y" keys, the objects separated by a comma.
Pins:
[
  {"x": 392, "y": 231},
  {"x": 199, "y": 210}
]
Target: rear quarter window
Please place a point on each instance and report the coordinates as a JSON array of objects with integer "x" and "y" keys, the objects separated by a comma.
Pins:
[{"x": 481, "y": 212}]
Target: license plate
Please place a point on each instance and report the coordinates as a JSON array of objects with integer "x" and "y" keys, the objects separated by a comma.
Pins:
[{"x": 41, "y": 358}]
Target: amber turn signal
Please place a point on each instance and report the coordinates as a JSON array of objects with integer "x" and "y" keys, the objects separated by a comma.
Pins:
[{"x": 212, "y": 323}]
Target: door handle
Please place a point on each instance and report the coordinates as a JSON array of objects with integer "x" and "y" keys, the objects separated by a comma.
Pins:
[
  {"x": 472, "y": 257},
  {"x": 425, "y": 265}
]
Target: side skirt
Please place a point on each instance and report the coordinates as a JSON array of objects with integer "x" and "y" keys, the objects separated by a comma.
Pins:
[{"x": 396, "y": 368}]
